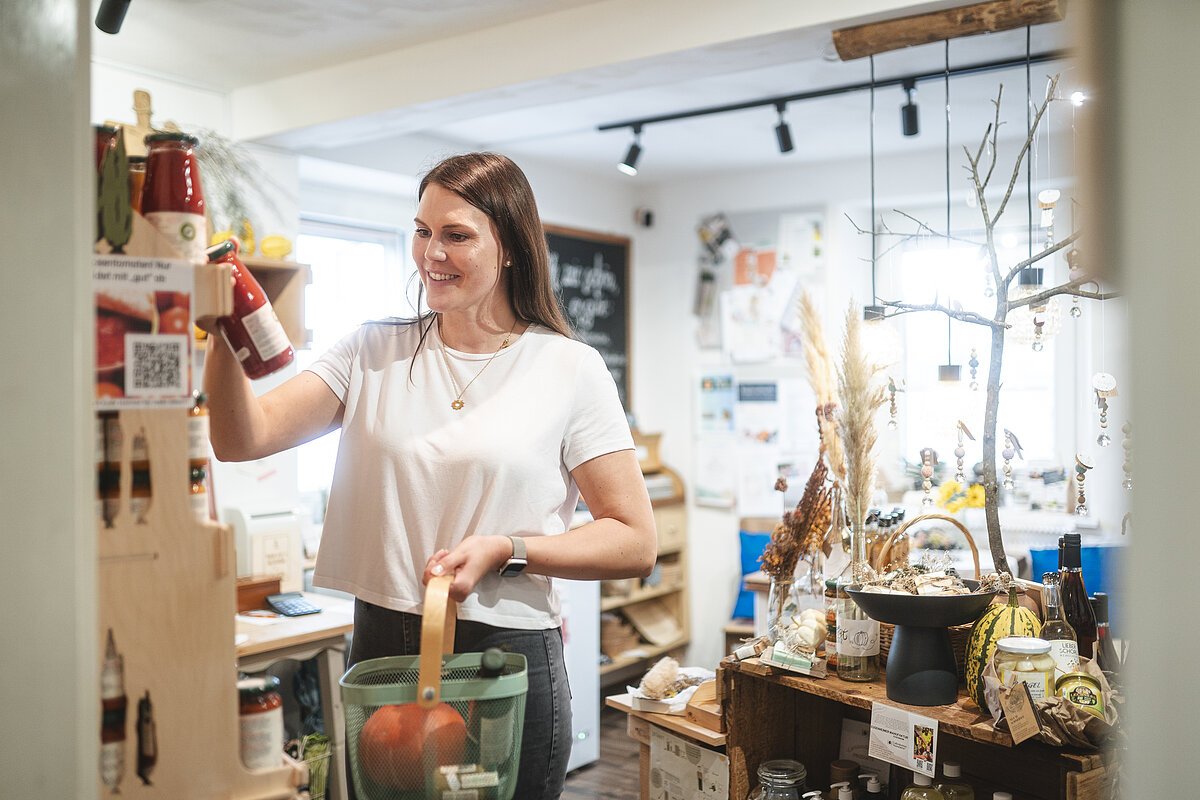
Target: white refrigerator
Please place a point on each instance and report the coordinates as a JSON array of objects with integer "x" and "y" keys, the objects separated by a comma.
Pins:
[{"x": 581, "y": 650}]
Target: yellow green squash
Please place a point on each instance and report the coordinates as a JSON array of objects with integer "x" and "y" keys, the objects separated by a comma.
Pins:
[{"x": 998, "y": 622}]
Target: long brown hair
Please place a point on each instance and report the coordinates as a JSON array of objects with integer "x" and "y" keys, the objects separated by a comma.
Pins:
[{"x": 497, "y": 187}]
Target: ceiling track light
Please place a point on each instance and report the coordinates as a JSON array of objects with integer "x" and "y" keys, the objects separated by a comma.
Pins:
[
  {"x": 111, "y": 15},
  {"x": 783, "y": 134},
  {"x": 629, "y": 164},
  {"x": 909, "y": 121}
]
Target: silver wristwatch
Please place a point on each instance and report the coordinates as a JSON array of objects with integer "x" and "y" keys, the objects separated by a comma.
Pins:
[{"x": 517, "y": 563}]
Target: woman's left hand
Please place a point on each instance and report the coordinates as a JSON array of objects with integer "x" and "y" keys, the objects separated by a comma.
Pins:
[{"x": 473, "y": 558}]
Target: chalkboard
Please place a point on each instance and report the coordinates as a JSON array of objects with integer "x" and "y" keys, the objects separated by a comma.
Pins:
[{"x": 590, "y": 272}]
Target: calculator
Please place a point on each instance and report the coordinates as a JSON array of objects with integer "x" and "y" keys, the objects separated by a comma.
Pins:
[{"x": 292, "y": 604}]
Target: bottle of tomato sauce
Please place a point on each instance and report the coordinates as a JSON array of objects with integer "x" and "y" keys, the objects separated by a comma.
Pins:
[
  {"x": 172, "y": 197},
  {"x": 252, "y": 331}
]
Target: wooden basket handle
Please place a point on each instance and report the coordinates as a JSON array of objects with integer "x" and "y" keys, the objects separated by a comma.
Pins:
[
  {"x": 437, "y": 638},
  {"x": 903, "y": 529}
]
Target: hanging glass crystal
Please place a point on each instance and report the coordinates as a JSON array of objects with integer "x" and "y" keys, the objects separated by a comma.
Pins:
[{"x": 1033, "y": 325}]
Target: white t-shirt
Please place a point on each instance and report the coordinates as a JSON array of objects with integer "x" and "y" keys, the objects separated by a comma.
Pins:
[{"x": 414, "y": 476}]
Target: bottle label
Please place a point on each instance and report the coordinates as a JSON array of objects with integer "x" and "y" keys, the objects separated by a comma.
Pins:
[
  {"x": 495, "y": 738},
  {"x": 198, "y": 438},
  {"x": 1066, "y": 656},
  {"x": 261, "y": 739},
  {"x": 1036, "y": 681},
  {"x": 186, "y": 232},
  {"x": 857, "y": 637},
  {"x": 266, "y": 332}
]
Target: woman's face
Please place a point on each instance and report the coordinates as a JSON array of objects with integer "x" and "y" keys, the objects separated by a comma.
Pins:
[{"x": 458, "y": 254}]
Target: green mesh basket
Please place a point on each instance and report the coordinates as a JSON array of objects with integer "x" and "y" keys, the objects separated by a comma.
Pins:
[{"x": 428, "y": 726}]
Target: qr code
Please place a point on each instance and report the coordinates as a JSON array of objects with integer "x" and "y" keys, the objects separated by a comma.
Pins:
[{"x": 156, "y": 365}]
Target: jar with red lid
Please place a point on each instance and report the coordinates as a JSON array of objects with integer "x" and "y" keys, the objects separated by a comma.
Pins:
[
  {"x": 172, "y": 198},
  {"x": 252, "y": 331},
  {"x": 260, "y": 722}
]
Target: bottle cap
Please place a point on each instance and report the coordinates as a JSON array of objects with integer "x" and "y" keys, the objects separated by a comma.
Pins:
[
  {"x": 952, "y": 770},
  {"x": 1023, "y": 645},
  {"x": 1049, "y": 578},
  {"x": 1100, "y": 606},
  {"x": 172, "y": 136},
  {"x": 921, "y": 779},
  {"x": 1001, "y": 796},
  {"x": 1071, "y": 547},
  {"x": 222, "y": 249}
]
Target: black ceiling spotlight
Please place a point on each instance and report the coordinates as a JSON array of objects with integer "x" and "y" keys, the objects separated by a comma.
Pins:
[
  {"x": 111, "y": 14},
  {"x": 629, "y": 165},
  {"x": 783, "y": 134},
  {"x": 908, "y": 114}
]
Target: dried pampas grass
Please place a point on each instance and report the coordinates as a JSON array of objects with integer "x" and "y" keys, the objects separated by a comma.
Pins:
[
  {"x": 862, "y": 394},
  {"x": 822, "y": 376}
]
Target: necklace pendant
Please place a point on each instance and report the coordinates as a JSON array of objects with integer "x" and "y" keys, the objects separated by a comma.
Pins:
[{"x": 457, "y": 405}]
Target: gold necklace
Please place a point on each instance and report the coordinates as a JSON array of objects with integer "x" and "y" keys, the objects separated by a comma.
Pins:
[{"x": 458, "y": 403}]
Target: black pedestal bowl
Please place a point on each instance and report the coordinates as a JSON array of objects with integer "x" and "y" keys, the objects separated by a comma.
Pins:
[{"x": 920, "y": 666}]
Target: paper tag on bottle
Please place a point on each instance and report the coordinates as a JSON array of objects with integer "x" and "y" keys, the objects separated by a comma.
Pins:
[
  {"x": 1018, "y": 710},
  {"x": 266, "y": 332},
  {"x": 857, "y": 637}
]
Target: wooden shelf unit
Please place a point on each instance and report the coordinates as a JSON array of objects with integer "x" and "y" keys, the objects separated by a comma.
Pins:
[
  {"x": 284, "y": 282},
  {"x": 670, "y": 518},
  {"x": 774, "y": 714}
]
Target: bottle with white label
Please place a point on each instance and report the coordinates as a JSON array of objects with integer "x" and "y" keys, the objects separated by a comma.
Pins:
[
  {"x": 857, "y": 633},
  {"x": 252, "y": 331},
  {"x": 1057, "y": 631}
]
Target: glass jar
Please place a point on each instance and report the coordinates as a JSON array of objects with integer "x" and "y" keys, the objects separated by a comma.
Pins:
[
  {"x": 1028, "y": 660},
  {"x": 780, "y": 779},
  {"x": 172, "y": 198},
  {"x": 857, "y": 633},
  {"x": 252, "y": 331},
  {"x": 787, "y": 599},
  {"x": 1082, "y": 690},
  {"x": 260, "y": 722}
]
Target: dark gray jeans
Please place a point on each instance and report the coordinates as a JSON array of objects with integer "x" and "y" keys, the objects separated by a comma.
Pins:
[{"x": 546, "y": 743}]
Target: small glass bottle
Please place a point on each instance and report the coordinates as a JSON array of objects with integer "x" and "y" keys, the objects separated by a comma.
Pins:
[
  {"x": 199, "y": 494},
  {"x": 858, "y": 634},
  {"x": 952, "y": 785},
  {"x": 1076, "y": 607},
  {"x": 921, "y": 789},
  {"x": 197, "y": 430},
  {"x": 1056, "y": 630},
  {"x": 780, "y": 779},
  {"x": 137, "y": 181},
  {"x": 252, "y": 331},
  {"x": 172, "y": 198},
  {"x": 140, "y": 496},
  {"x": 1106, "y": 651}
]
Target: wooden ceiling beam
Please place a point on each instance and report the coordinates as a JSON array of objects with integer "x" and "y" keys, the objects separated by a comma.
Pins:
[{"x": 987, "y": 17}]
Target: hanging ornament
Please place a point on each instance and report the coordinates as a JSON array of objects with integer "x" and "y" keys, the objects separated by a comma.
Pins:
[
  {"x": 1127, "y": 445},
  {"x": 1105, "y": 386},
  {"x": 973, "y": 363},
  {"x": 960, "y": 452},
  {"x": 1074, "y": 273},
  {"x": 1082, "y": 465},
  {"x": 1047, "y": 200},
  {"x": 928, "y": 459},
  {"x": 892, "y": 410},
  {"x": 1033, "y": 324},
  {"x": 1012, "y": 447}
]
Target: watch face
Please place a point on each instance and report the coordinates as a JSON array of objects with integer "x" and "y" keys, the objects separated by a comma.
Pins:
[{"x": 515, "y": 566}]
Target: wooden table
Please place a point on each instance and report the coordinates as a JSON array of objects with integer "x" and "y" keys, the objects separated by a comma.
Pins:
[
  {"x": 321, "y": 636},
  {"x": 638, "y": 728}
]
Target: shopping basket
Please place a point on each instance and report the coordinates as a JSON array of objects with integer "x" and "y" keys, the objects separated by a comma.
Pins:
[{"x": 429, "y": 726}]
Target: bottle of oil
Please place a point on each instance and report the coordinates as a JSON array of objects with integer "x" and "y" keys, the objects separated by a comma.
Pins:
[
  {"x": 952, "y": 785},
  {"x": 1077, "y": 608},
  {"x": 921, "y": 789}
]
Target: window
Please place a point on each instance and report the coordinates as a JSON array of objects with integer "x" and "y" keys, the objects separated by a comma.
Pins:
[
  {"x": 931, "y": 408},
  {"x": 358, "y": 274}
]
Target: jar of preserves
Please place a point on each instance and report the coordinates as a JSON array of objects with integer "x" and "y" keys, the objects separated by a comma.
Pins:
[
  {"x": 252, "y": 331},
  {"x": 1028, "y": 660},
  {"x": 172, "y": 198},
  {"x": 780, "y": 779},
  {"x": 260, "y": 722},
  {"x": 1083, "y": 691}
]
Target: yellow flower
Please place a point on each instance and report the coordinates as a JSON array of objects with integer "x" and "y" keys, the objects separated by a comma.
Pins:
[
  {"x": 947, "y": 493},
  {"x": 975, "y": 496}
]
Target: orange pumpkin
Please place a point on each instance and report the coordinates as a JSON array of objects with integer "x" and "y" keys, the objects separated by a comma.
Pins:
[{"x": 400, "y": 744}]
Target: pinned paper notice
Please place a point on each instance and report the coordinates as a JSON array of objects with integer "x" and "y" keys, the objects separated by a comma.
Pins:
[{"x": 905, "y": 739}]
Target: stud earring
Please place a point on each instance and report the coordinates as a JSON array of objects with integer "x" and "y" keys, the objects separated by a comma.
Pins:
[
  {"x": 960, "y": 452},
  {"x": 928, "y": 459},
  {"x": 1012, "y": 447},
  {"x": 1127, "y": 445},
  {"x": 1105, "y": 386},
  {"x": 1082, "y": 465}
]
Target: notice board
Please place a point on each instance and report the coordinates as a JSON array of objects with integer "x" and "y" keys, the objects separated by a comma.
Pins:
[{"x": 590, "y": 272}]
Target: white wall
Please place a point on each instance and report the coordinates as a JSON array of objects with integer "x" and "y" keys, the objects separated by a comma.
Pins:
[{"x": 666, "y": 359}]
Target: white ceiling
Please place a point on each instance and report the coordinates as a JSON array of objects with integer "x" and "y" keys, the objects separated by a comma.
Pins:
[{"x": 555, "y": 119}]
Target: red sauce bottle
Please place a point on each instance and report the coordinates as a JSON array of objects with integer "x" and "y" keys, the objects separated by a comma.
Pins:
[
  {"x": 172, "y": 197},
  {"x": 252, "y": 331}
]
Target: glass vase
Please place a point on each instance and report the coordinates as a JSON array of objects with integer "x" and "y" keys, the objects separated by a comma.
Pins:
[
  {"x": 857, "y": 634},
  {"x": 787, "y": 599}
]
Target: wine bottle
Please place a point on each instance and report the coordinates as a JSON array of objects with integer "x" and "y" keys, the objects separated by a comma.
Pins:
[
  {"x": 1076, "y": 607},
  {"x": 1057, "y": 631},
  {"x": 1106, "y": 652}
]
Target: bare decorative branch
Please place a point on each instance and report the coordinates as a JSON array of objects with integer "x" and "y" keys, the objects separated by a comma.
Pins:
[
  {"x": 1036, "y": 257},
  {"x": 994, "y": 129},
  {"x": 961, "y": 316},
  {"x": 1070, "y": 288},
  {"x": 1037, "y": 120}
]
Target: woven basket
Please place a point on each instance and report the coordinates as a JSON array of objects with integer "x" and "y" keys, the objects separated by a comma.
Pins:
[{"x": 959, "y": 634}]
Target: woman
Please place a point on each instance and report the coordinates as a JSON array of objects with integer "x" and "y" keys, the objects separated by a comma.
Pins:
[{"x": 467, "y": 437}]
